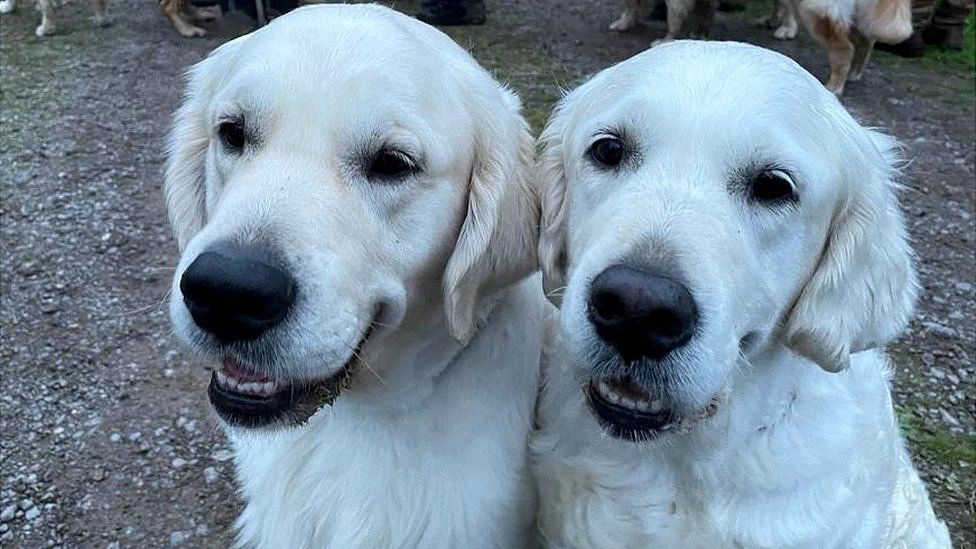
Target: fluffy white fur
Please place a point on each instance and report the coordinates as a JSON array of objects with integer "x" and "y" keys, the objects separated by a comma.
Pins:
[
  {"x": 427, "y": 447},
  {"x": 803, "y": 448}
]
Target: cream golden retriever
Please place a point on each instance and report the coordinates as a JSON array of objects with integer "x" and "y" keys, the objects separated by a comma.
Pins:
[
  {"x": 350, "y": 193},
  {"x": 731, "y": 258}
]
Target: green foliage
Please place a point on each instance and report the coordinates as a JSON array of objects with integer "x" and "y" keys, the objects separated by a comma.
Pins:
[{"x": 936, "y": 444}]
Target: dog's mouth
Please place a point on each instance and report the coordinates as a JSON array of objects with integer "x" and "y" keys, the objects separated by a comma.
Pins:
[
  {"x": 244, "y": 397},
  {"x": 628, "y": 411}
]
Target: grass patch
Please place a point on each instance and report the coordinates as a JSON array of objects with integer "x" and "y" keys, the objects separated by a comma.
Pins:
[
  {"x": 938, "y": 445},
  {"x": 965, "y": 59},
  {"x": 754, "y": 10}
]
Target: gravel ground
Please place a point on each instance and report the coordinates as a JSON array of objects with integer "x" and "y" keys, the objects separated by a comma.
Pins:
[{"x": 106, "y": 438}]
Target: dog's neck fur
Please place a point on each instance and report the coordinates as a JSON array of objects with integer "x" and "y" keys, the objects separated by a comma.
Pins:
[
  {"x": 775, "y": 466},
  {"x": 433, "y": 455}
]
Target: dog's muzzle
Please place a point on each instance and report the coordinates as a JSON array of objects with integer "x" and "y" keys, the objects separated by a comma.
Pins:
[{"x": 237, "y": 294}]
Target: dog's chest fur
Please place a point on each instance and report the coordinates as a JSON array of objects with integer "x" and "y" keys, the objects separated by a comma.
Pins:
[
  {"x": 448, "y": 472},
  {"x": 795, "y": 458}
]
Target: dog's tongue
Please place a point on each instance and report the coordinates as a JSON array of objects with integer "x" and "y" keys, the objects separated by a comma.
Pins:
[{"x": 240, "y": 372}]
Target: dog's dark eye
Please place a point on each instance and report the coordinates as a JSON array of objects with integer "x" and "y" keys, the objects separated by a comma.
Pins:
[
  {"x": 391, "y": 164},
  {"x": 773, "y": 186},
  {"x": 232, "y": 134},
  {"x": 608, "y": 151}
]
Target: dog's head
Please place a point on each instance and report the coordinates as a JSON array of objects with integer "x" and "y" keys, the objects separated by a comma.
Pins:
[
  {"x": 333, "y": 178},
  {"x": 702, "y": 204}
]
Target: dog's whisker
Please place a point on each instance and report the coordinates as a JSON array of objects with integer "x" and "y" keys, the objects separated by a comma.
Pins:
[
  {"x": 556, "y": 292},
  {"x": 157, "y": 306},
  {"x": 359, "y": 357}
]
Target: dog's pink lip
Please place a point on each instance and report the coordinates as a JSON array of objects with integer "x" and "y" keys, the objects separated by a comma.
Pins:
[{"x": 231, "y": 367}]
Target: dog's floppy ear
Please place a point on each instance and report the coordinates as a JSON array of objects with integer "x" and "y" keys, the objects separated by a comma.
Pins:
[
  {"x": 187, "y": 144},
  {"x": 863, "y": 290},
  {"x": 497, "y": 242},
  {"x": 552, "y": 231}
]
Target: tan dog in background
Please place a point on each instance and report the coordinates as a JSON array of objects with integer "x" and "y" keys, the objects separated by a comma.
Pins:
[{"x": 847, "y": 28}]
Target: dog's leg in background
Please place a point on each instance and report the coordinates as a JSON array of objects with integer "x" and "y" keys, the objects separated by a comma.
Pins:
[
  {"x": 174, "y": 12},
  {"x": 196, "y": 13},
  {"x": 862, "y": 53},
  {"x": 677, "y": 13},
  {"x": 699, "y": 23},
  {"x": 786, "y": 24},
  {"x": 833, "y": 35},
  {"x": 47, "y": 18},
  {"x": 628, "y": 18},
  {"x": 7, "y": 6}
]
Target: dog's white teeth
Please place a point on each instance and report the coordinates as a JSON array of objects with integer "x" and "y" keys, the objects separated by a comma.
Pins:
[
  {"x": 227, "y": 381},
  {"x": 250, "y": 388},
  {"x": 656, "y": 406},
  {"x": 259, "y": 388},
  {"x": 256, "y": 388},
  {"x": 627, "y": 403},
  {"x": 642, "y": 405},
  {"x": 608, "y": 393}
]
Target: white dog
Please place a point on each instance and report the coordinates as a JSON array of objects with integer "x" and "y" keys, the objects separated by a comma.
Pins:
[
  {"x": 733, "y": 257},
  {"x": 350, "y": 191}
]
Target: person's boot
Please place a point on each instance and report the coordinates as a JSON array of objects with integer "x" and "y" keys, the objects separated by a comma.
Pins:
[
  {"x": 950, "y": 38},
  {"x": 659, "y": 12},
  {"x": 731, "y": 6},
  {"x": 913, "y": 46},
  {"x": 452, "y": 12}
]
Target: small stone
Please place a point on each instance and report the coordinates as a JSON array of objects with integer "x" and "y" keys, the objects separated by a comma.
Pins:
[
  {"x": 32, "y": 513},
  {"x": 939, "y": 329},
  {"x": 949, "y": 418},
  {"x": 135, "y": 436},
  {"x": 963, "y": 287},
  {"x": 210, "y": 475},
  {"x": 113, "y": 545},
  {"x": 937, "y": 373},
  {"x": 177, "y": 538},
  {"x": 8, "y": 512},
  {"x": 178, "y": 463},
  {"x": 202, "y": 530},
  {"x": 115, "y": 437},
  {"x": 26, "y": 504},
  {"x": 222, "y": 455}
]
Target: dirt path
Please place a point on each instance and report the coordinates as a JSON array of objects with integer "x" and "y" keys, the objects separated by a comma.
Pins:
[{"x": 106, "y": 439}]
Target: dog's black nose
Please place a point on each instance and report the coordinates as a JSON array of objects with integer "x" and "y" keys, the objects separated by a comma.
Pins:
[
  {"x": 236, "y": 294},
  {"x": 641, "y": 314}
]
